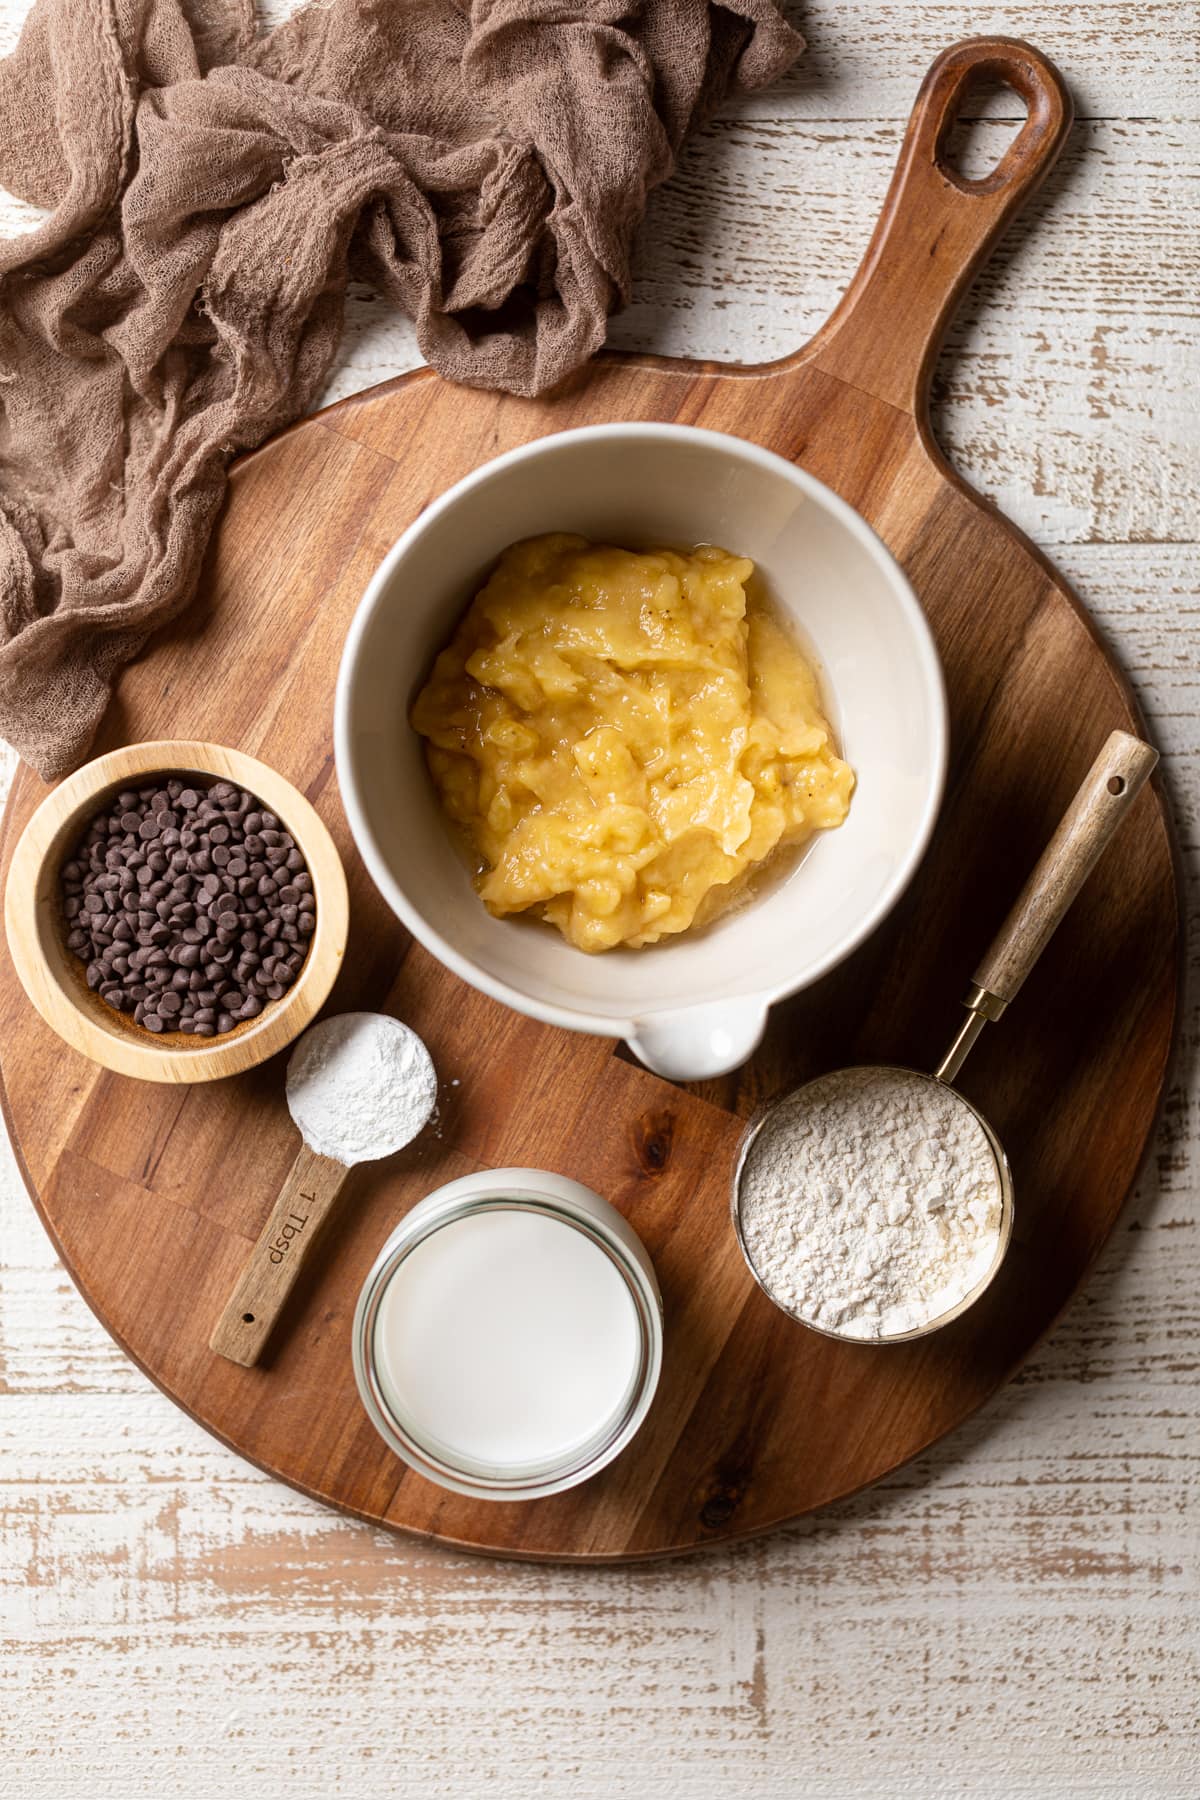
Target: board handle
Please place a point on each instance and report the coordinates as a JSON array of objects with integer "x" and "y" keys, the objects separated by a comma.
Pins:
[
  {"x": 307, "y": 1198},
  {"x": 938, "y": 227}
]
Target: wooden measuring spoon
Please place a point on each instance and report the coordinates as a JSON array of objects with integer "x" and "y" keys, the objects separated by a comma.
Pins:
[{"x": 349, "y": 1063}]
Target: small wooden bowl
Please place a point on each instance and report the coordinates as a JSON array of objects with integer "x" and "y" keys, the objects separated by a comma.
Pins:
[{"x": 54, "y": 977}]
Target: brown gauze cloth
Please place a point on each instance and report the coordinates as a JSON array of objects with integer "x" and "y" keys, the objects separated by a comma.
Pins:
[{"x": 484, "y": 166}]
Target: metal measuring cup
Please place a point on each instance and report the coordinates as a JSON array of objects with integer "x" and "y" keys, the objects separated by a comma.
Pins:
[{"x": 1108, "y": 789}]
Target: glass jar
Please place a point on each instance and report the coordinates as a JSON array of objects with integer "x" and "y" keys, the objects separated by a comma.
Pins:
[{"x": 508, "y": 1340}]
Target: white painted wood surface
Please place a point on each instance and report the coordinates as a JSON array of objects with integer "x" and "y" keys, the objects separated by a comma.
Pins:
[{"x": 1015, "y": 1615}]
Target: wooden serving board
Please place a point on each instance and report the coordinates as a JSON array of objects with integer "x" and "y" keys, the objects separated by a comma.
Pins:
[{"x": 153, "y": 1195}]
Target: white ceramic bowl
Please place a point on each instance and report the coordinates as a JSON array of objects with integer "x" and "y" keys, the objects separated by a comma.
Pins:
[{"x": 694, "y": 1006}]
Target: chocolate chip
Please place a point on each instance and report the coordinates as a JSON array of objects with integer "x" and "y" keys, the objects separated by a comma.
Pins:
[{"x": 172, "y": 897}]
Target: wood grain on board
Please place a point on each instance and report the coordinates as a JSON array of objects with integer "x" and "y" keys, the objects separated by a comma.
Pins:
[{"x": 153, "y": 1197}]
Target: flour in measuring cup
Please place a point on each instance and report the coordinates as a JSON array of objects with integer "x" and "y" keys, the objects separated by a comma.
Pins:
[{"x": 870, "y": 1202}]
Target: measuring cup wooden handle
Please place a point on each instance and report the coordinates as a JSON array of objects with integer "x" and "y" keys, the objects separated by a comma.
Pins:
[
  {"x": 306, "y": 1200},
  {"x": 1109, "y": 789}
]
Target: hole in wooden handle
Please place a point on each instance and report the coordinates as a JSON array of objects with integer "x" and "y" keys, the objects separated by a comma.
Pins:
[
  {"x": 974, "y": 68},
  {"x": 987, "y": 119}
]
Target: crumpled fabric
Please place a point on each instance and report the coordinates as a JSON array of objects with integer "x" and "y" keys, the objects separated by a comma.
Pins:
[{"x": 484, "y": 165}]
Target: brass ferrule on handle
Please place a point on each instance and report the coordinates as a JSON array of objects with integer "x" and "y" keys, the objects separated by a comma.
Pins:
[
  {"x": 982, "y": 1001},
  {"x": 1107, "y": 792}
]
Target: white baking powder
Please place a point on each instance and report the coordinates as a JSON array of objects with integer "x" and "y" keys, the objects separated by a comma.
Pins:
[
  {"x": 360, "y": 1086},
  {"x": 870, "y": 1202}
]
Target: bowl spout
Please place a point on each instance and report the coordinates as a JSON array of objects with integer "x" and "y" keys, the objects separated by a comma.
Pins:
[{"x": 698, "y": 1042}]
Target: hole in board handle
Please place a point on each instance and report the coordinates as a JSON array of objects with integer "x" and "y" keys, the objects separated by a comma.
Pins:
[
  {"x": 989, "y": 117},
  {"x": 1116, "y": 784},
  {"x": 247, "y": 1318}
]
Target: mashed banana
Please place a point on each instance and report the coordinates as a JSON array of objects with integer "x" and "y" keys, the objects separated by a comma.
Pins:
[{"x": 622, "y": 740}]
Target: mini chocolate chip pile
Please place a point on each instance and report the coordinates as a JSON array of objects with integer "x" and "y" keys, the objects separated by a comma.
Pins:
[{"x": 191, "y": 906}]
